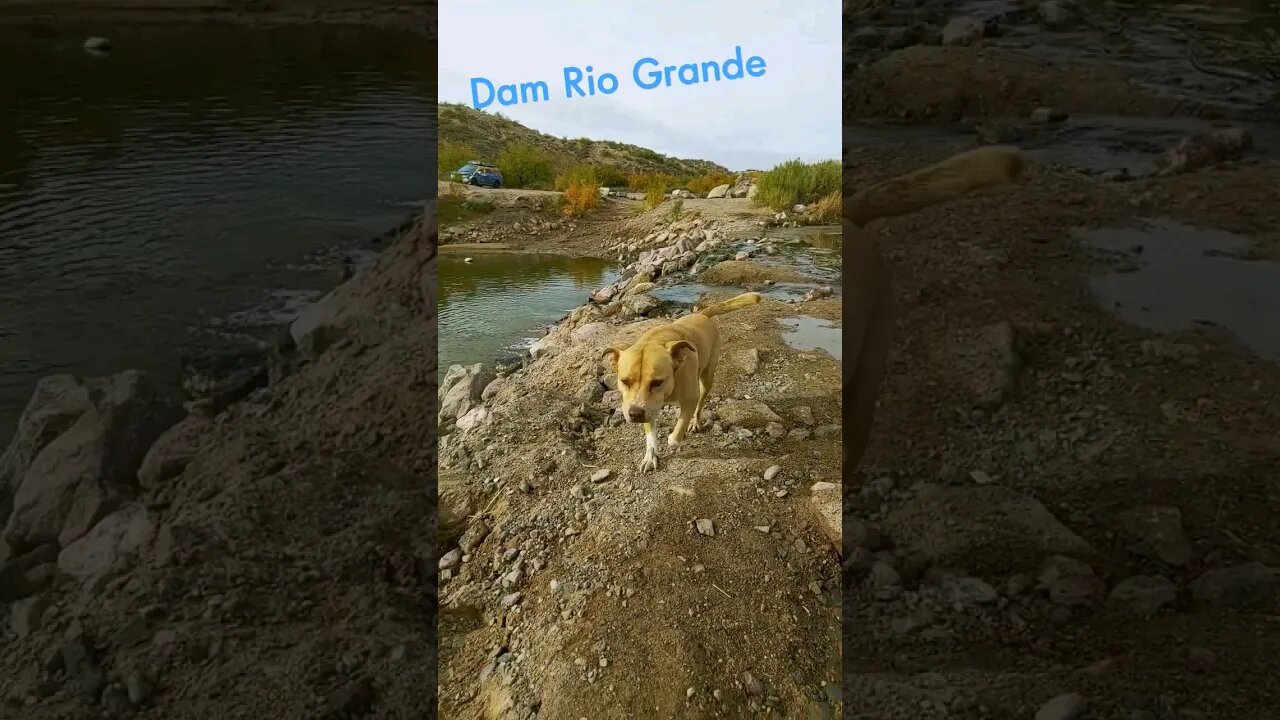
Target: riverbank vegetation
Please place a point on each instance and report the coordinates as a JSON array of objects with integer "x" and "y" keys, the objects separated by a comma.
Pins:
[{"x": 799, "y": 183}]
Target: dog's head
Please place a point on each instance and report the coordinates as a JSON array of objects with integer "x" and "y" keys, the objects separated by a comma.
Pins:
[{"x": 647, "y": 376}]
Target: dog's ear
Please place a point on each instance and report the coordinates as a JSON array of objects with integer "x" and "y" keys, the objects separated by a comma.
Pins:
[
  {"x": 611, "y": 356},
  {"x": 680, "y": 350}
]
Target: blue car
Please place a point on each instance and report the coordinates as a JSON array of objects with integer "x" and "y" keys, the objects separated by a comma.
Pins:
[{"x": 478, "y": 173}]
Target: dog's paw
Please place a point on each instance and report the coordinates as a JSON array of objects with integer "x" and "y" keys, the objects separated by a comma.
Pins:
[
  {"x": 649, "y": 462},
  {"x": 672, "y": 440}
]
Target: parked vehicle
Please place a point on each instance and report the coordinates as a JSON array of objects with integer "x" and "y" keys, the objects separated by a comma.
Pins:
[{"x": 479, "y": 174}]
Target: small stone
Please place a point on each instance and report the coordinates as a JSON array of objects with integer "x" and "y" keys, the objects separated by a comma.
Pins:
[
  {"x": 689, "y": 692},
  {"x": 981, "y": 477},
  {"x": 26, "y": 615},
  {"x": 1157, "y": 532},
  {"x": 883, "y": 575},
  {"x": 474, "y": 536},
  {"x": 1240, "y": 585},
  {"x": 577, "y": 492},
  {"x": 1046, "y": 115},
  {"x": 511, "y": 600},
  {"x": 451, "y": 559},
  {"x": 601, "y": 475},
  {"x": 138, "y": 686},
  {"x": 751, "y": 686},
  {"x": 706, "y": 527},
  {"x": 1067, "y": 706},
  {"x": 1144, "y": 595},
  {"x": 772, "y": 472},
  {"x": 972, "y": 591}
]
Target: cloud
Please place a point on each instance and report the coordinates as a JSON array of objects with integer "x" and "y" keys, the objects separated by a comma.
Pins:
[{"x": 793, "y": 110}]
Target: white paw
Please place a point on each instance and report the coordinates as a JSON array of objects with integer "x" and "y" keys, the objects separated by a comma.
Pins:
[{"x": 650, "y": 462}]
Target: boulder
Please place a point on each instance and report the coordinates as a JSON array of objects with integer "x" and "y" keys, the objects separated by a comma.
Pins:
[
  {"x": 173, "y": 451},
  {"x": 718, "y": 191},
  {"x": 1237, "y": 586},
  {"x": 462, "y": 389},
  {"x": 1156, "y": 532},
  {"x": 981, "y": 528},
  {"x": 90, "y": 467},
  {"x": 115, "y": 539},
  {"x": 962, "y": 31},
  {"x": 1205, "y": 150},
  {"x": 824, "y": 511},
  {"x": 752, "y": 191},
  {"x": 751, "y": 414},
  {"x": 55, "y": 405}
]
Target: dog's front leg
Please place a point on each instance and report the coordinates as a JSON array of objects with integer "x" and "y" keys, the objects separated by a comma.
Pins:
[
  {"x": 650, "y": 461},
  {"x": 686, "y": 423}
]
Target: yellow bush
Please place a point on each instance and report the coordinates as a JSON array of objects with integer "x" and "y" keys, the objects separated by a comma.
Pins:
[
  {"x": 581, "y": 197},
  {"x": 704, "y": 184},
  {"x": 827, "y": 209}
]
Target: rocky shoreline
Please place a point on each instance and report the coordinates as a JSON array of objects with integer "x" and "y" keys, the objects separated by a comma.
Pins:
[{"x": 150, "y": 559}]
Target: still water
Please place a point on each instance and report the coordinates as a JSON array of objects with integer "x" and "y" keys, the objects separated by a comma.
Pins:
[
  {"x": 191, "y": 185},
  {"x": 492, "y": 307}
]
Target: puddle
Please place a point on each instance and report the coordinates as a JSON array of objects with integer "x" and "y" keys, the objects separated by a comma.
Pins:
[
  {"x": 688, "y": 293},
  {"x": 810, "y": 333},
  {"x": 1179, "y": 276}
]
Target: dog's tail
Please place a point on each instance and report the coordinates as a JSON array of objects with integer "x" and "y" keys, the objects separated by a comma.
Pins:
[
  {"x": 736, "y": 303},
  {"x": 947, "y": 180}
]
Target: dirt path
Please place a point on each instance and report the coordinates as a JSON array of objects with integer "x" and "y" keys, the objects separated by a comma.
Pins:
[{"x": 583, "y": 588}]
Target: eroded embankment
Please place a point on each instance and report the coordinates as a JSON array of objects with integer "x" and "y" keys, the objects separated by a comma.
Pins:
[{"x": 270, "y": 555}]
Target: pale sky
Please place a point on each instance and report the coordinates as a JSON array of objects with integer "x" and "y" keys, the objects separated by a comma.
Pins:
[{"x": 792, "y": 111}]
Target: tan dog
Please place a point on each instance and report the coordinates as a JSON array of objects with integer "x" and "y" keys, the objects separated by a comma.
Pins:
[
  {"x": 869, "y": 292},
  {"x": 672, "y": 363}
]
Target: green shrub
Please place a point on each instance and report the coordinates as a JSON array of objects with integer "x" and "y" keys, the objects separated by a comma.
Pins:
[
  {"x": 525, "y": 166},
  {"x": 451, "y": 156},
  {"x": 795, "y": 182}
]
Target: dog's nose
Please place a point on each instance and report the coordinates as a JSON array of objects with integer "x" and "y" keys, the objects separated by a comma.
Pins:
[{"x": 635, "y": 414}]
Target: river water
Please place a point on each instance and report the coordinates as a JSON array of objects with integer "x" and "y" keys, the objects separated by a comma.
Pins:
[
  {"x": 495, "y": 306},
  {"x": 191, "y": 186}
]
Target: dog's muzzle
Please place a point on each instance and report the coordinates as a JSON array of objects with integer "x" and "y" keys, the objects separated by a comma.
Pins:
[{"x": 635, "y": 414}]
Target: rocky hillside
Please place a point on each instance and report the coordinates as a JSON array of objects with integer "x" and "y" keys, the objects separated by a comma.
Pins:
[
  {"x": 267, "y": 551},
  {"x": 488, "y": 133}
]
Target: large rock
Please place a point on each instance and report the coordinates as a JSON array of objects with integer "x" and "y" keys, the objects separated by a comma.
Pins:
[
  {"x": 987, "y": 362},
  {"x": 55, "y": 405},
  {"x": 88, "y": 469},
  {"x": 1156, "y": 532},
  {"x": 1239, "y": 585},
  {"x": 962, "y": 31},
  {"x": 462, "y": 389},
  {"x": 718, "y": 191},
  {"x": 743, "y": 272},
  {"x": 751, "y": 414},
  {"x": 824, "y": 510},
  {"x": 1205, "y": 150},
  {"x": 173, "y": 451},
  {"x": 27, "y": 574},
  {"x": 981, "y": 528},
  {"x": 115, "y": 539}
]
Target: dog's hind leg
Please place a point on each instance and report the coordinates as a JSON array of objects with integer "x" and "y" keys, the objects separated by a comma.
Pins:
[{"x": 650, "y": 460}]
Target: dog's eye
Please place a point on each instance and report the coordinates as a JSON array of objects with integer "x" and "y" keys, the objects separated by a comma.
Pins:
[
  {"x": 625, "y": 383},
  {"x": 655, "y": 384}
]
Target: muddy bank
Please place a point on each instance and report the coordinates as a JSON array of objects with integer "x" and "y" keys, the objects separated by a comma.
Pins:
[
  {"x": 270, "y": 556},
  {"x": 565, "y": 571}
]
